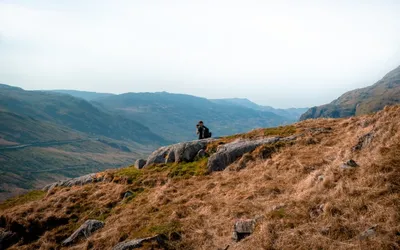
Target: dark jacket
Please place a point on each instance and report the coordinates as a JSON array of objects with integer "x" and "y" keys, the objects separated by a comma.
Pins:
[{"x": 200, "y": 132}]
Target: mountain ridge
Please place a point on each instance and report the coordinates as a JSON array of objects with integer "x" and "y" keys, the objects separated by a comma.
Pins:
[
  {"x": 175, "y": 115},
  {"x": 45, "y": 137},
  {"x": 361, "y": 101}
]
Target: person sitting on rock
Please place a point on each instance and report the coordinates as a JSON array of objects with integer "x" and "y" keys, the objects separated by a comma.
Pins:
[{"x": 202, "y": 131}]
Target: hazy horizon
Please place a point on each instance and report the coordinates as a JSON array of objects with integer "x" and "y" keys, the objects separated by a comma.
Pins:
[{"x": 276, "y": 53}]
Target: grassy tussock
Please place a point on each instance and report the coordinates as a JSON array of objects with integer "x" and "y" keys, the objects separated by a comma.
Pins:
[{"x": 22, "y": 199}]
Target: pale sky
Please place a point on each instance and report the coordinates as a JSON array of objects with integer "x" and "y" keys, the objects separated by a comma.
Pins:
[{"x": 294, "y": 53}]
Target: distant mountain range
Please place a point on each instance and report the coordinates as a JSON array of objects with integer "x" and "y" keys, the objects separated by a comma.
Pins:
[
  {"x": 361, "y": 101},
  {"x": 83, "y": 94},
  {"x": 173, "y": 116},
  {"x": 292, "y": 114},
  {"x": 49, "y": 135}
]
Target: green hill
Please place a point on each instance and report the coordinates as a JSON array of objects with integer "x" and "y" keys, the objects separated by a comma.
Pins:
[
  {"x": 291, "y": 114},
  {"x": 174, "y": 116},
  {"x": 74, "y": 113},
  {"x": 87, "y": 95},
  {"x": 361, "y": 101},
  {"x": 45, "y": 137}
]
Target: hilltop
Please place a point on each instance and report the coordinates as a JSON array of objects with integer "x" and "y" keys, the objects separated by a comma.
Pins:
[
  {"x": 361, "y": 101},
  {"x": 317, "y": 184},
  {"x": 87, "y": 95}
]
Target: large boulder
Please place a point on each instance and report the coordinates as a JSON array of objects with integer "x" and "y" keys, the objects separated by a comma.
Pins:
[
  {"x": 243, "y": 228},
  {"x": 364, "y": 141},
  {"x": 181, "y": 152},
  {"x": 140, "y": 163},
  {"x": 7, "y": 239},
  {"x": 87, "y": 229},
  {"x": 137, "y": 243},
  {"x": 228, "y": 153},
  {"x": 79, "y": 181}
]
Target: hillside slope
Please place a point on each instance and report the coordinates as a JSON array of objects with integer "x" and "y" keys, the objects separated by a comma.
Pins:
[
  {"x": 45, "y": 137},
  {"x": 361, "y": 101},
  {"x": 87, "y": 95},
  {"x": 174, "y": 116},
  {"x": 74, "y": 113},
  {"x": 291, "y": 114},
  {"x": 300, "y": 193}
]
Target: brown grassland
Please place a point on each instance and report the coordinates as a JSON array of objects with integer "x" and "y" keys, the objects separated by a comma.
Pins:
[{"x": 304, "y": 198}]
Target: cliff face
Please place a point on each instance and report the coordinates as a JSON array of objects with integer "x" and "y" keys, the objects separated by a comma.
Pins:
[
  {"x": 361, "y": 101},
  {"x": 334, "y": 185}
]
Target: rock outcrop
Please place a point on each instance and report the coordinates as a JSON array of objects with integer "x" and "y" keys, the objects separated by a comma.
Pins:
[
  {"x": 137, "y": 243},
  {"x": 349, "y": 164},
  {"x": 243, "y": 228},
  {"x": 184, "y": 151},
  {"x": 140, "y": 163},
  {"x": 364, "y": 141},
  {"x": 79, "y": 181},
  {"x": 228, "y": 153},
  {"x": 87, "y": 229},
  {"x": 7, "y": 238}
]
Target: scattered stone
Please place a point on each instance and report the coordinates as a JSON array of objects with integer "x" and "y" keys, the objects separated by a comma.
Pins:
[
  {"x": 139, "y": 164},
  {"x": 364, "y": 141},
  {"x": 368, "y": 233},
  {"x": 243, "y": 228},
  {"x": 79, "y": 181},
  {"x": 316, "y": 131},
  {"x": 228, "y": 153},
  {"x": 7, "y": 239},
  {"x": 87, "y": 229},
  {"x": 137, "y": 243},
  {"x": 277, "y": 207},
  {"x": 316, "y": 211},
  {"x": 181, "y": 152},
  {"x": 201, "y": 154},
  {"x": 128, "y": 194},
  {"x": 349, "y": 164},
  {"x": 321, "y": 177}
]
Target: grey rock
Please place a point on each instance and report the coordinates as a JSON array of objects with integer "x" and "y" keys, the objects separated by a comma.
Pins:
[
  {"x": 228, "y": 153},
  {"x": 349, "y": 164},
  {"x": 79, "y": 181},
  {"x": 321, "y": 177},
  {"x": 201, "y": 153},
  {"x": 139, "y": 164},
  {"x": 243, "y": 228},
  {"x": 7, "y": 239},
  {"x": 364, "y": 141},
  {"x": 137, "y": 243},
  {"x": 317, "y": 131},
  {"x": 368, "y": 233},
  {"x": 184, "y": 151},
  {"x": 316, "y": 211},
  {"x": 87, "y": 229},
  {"x": 128, "y": 194}
]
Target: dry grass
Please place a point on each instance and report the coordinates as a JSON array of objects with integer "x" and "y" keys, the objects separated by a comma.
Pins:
[
  {"x": 305, "y": 200},
  {"x": 282, "y": 131}
]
